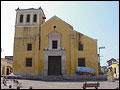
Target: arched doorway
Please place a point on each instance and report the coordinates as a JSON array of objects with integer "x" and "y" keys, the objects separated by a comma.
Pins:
[{"x": 9, "y": 70}]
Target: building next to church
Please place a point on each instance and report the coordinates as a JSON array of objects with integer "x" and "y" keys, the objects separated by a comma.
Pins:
[
  {"x": 50, "y": 47},
  {"x": 6, "y": 65},
  {"x": 114, "y": 64}
]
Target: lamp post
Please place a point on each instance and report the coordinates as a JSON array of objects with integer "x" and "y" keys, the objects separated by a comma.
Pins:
[{"x": 99, "y": 58}]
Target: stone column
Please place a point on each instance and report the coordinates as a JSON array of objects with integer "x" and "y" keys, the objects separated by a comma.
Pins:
[
  {"x": 31, "y": 18},
  {"x": 18, "y": 17},
  {"x": 24, "y": 17},
  {"x": 59, "y": 47},
  {"x": 38, "y": 17}
]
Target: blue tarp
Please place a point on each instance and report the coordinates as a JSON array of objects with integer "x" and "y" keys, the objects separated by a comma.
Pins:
[{"x": 85, "y": 69}]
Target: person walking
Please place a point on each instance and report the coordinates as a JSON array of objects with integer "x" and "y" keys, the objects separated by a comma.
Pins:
[{"x": 10, "y": 86}]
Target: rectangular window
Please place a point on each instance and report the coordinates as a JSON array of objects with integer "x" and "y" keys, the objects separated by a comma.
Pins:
[
  {"x": 28, "y": 62},
  {"x": 29, "y": 47},
  {"x": 81, "y": 62},
  {"x": 54, "y": 44},
  {"x": 35, "y": 18},
  {"x": 115, "y": 70},
  {"x": 28, "y": 18},
  {"x": 21, "y": 18},
  {"x": 80, "y": 47}
]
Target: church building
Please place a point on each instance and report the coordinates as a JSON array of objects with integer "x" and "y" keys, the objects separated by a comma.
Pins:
[{"x": 50, "y": 47}]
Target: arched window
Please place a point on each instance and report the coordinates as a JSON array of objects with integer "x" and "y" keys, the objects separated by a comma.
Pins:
[
  {"x": 21, "y": 18},
  {"x": 28, "y": 18},
  {"x": 35, "y": 18}
]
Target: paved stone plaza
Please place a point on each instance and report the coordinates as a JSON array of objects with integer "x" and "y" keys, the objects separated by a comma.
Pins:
[{"x": 37, "y": 84}]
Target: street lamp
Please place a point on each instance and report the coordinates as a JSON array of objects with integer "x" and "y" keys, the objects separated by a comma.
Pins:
[{"x": 99, "y": 58}]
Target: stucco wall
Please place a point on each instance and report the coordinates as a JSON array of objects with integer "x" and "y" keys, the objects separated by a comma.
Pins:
[
  {"x": 4, "y": 63},
  {"x": 69, "y": 40}
]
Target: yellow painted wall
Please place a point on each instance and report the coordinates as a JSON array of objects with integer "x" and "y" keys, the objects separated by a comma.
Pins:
[
  {"x": 89, "y": 52},
  {"x": 71, "y": 46},
  {"x": 20, "y": 45},
  {"x": 20, "y": 50},
  {"x": 115, "y": 66},
  {"x": 29, "y": 12}
]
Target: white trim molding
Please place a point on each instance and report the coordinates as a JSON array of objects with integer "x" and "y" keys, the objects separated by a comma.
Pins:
[
  {"x": 27, "y": 10},
  {"x": 61, "y": 53},
  {"x": 18, "y": 16},
  {"x": 31, "y": 18},
  {"x": 27, "y": 25},
  {"x": 38, "y": 17},
  {"x": 24, "y": 18},
  {"x": 54, "y": 35}
]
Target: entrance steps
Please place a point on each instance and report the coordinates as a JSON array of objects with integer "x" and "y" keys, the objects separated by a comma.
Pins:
[
  {"x": 52, "y": 78},
  {"x": 60, "y": 77}
]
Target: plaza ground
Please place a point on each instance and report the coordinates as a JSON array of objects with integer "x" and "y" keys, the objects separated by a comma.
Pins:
[{"x": 37, "y": 84}]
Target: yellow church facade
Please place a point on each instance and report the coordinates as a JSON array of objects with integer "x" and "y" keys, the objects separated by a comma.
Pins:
[{"x": 50, "y": 48}]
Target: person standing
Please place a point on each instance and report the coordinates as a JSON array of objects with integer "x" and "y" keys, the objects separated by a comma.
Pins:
[
  {"x": 3, "y": 78},
  {"x": 10, "y": 86}
]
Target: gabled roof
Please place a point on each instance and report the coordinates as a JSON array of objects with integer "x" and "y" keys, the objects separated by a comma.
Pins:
[
  {"x": 84, "y": 35},
  {"x": 57, "y": 18},
  {"x": 68, "y": 25},
  {"x": 64, "y": 22},
  {"x": 112, "y": 59}
]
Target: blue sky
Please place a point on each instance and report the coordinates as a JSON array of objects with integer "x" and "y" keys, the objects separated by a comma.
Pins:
[{"x": 98, "y": 20}]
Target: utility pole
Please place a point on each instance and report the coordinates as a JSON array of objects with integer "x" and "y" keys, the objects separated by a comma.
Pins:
[{"x": 99, "y": 58}]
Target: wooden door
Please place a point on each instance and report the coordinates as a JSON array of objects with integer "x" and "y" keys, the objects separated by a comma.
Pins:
[{"x": 54, "y": 65}]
